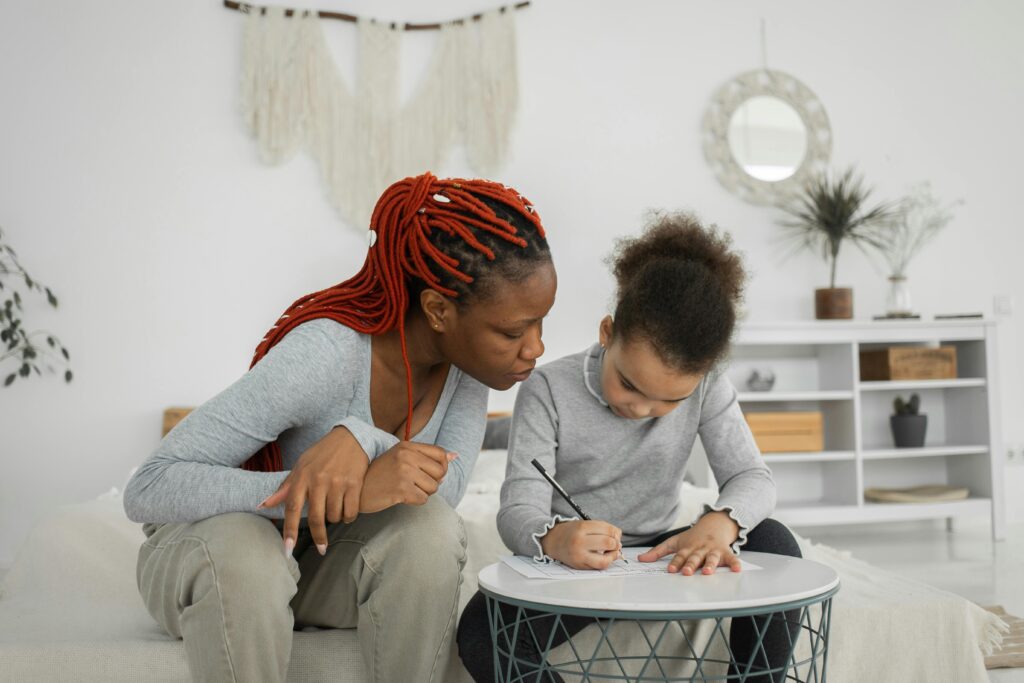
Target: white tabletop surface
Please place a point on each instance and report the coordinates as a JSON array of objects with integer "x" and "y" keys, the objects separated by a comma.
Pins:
[{"x": 781, "y": 580}]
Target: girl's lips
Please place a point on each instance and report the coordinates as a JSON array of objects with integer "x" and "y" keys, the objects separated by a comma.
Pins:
[{"x": 521, "y": 376}]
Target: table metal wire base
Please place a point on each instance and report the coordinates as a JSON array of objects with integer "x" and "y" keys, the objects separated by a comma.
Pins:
[{"x": 676, "y": 647}]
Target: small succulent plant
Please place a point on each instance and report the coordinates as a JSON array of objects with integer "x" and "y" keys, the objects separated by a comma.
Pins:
[{"x": 910, "y": 407}]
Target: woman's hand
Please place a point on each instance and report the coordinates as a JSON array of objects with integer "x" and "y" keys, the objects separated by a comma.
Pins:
[
  {"x": 583, "y": 544},
  {"x": 707, "y": 543},
  {"x": 408, "y": 472},
  {"x": 329, "y": 478}
]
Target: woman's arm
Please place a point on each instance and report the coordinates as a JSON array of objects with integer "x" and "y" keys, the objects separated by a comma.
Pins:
[
  {"x": 195, "y": 472},
  {"x": 462, "y": 432},
  {"x": 745, "y": 484}
]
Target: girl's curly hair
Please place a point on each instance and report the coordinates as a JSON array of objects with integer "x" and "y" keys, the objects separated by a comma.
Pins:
[{"x": 678, "y": 287}]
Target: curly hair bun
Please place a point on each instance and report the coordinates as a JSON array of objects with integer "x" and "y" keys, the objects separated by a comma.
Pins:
[{"x": 678, "y": 287}]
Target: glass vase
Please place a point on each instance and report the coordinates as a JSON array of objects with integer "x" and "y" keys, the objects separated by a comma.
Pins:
[{"x": 898, "y": 304}]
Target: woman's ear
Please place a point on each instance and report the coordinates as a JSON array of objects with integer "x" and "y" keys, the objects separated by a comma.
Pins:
[
  {"x": 438, "y": 309},
  {"x": 604, "y": 331}
]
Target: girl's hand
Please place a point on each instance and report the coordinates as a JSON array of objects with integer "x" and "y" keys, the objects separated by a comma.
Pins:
[
  {"x": 408, "y": 472},
  {"x": 329, "y": 478},
  {"x": 583, "y": 544},
  {"x": 707, "y": 543}
]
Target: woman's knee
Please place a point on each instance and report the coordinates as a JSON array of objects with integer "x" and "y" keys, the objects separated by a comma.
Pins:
[
  {"x": 433, "y": 533},
  {"x": 244, "y": 553},
  {"x": 772, "y": 536}
]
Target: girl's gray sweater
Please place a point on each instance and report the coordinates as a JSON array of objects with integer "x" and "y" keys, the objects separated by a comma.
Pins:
[{"x": 625, "y": 472}]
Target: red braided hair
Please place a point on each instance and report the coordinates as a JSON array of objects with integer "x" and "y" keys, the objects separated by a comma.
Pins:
[{"x": 375, "y": 300}]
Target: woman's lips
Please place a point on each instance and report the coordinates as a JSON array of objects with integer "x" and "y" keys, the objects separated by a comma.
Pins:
[{"x": 521, "y": 376}]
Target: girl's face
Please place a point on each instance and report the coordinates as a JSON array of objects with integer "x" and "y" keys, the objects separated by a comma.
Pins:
[
  {"x": 497, "y": 340},
  {"x": 636, "y": 383}
]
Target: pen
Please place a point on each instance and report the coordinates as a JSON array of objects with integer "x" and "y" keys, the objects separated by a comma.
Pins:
[{"x": 567, "y": 497}]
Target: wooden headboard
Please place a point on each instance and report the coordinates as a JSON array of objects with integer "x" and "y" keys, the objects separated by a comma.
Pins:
[{"x": 173, "y": 416}]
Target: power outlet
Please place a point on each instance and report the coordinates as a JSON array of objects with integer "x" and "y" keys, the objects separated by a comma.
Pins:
[{"x": 1002, "y": 305}]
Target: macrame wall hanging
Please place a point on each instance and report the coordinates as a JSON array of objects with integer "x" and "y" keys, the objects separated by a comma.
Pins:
[{"x": 293, "y": 98}]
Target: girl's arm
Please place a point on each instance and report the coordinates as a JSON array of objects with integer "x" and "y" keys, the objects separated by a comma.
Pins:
[
  {"x": 525, "y": 513},
  {"x": 195, "y": 471},
  {"x": 745, "y": 484}
]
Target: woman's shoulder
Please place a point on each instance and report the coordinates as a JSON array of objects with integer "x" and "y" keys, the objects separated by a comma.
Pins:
[{"x": 324, "y": 334}]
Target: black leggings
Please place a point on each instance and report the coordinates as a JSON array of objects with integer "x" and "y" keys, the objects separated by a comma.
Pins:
[{"x": 770, "y": 536}]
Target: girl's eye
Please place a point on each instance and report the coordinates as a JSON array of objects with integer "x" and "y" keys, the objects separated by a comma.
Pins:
[
  {"x": 510, "y": 335},
  {"x": 626, "y": 385}
]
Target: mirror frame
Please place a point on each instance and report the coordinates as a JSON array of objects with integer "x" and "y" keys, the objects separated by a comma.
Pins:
[{"x": 728, "y": 98}]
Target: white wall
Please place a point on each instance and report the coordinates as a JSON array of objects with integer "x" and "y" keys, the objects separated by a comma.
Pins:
[{"x": 128, "y": 185}]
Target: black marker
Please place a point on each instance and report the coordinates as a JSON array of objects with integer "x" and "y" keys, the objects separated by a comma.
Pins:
[{"x": 566, "y": 496}]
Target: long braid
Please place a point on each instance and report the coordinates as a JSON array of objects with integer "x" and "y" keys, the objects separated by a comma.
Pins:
[{"x": 375, "y": 300}]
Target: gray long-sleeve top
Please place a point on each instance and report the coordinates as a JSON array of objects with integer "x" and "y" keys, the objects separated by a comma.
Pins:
[
  {"x": 625, "y": 472},
  {"x": 316, "y": 378}
]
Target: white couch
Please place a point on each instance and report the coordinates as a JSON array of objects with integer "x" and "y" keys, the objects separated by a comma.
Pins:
[{"x": 70, "y": 611}]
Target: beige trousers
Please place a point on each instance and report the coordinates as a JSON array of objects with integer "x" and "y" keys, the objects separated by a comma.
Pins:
[{"x": 224, "y": 585}]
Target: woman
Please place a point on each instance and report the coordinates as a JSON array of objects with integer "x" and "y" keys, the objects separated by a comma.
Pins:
[{"x": 364, "y": 401}]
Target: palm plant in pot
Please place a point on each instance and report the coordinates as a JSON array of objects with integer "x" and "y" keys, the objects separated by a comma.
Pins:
[
  {"x": 907, "y": 423},
  {"x": 828, "y": 212}
]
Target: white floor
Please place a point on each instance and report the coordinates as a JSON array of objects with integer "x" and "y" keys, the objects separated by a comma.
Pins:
[{"x": 965, "y": 561}]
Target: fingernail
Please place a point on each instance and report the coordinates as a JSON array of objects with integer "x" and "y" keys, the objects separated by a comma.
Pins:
[
  {"x": 321, "y": 548},
  {"x": 263, "y": 503},
  {"x": 452, "y": 456},
  {"x": 289, "y": 546}
]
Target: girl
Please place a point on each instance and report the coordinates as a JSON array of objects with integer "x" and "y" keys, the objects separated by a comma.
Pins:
[
  {"x": 355, "y": 407},
  {"x": 615, "y": 425}
]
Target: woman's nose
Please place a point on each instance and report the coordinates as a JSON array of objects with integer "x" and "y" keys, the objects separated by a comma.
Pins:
[{"x": 533, "y": 347}]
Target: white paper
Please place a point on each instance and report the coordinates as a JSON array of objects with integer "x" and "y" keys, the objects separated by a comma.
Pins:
[{"x": 634, "y": 567}]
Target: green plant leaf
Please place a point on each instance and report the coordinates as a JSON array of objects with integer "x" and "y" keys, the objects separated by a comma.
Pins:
[
  {"x": 67, "y": 376},
  {"x": 10, "y": 379},
  {"x": 51, "y": 341},
  {"x": 64, "y": 352},
  {"x": 25, "y": 369}
]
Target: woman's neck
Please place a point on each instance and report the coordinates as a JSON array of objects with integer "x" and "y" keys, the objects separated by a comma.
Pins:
[{"x": 420, "y": 343}]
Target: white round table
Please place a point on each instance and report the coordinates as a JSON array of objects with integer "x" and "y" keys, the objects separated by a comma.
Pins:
[{"x": 785, "y": 588}]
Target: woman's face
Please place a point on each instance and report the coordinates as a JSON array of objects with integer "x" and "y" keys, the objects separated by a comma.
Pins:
[
  {"x": 636, "y": 383},
  {"x": 497, "y": 340}
]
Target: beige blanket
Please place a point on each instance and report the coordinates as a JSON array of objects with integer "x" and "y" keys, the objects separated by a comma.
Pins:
[{"x": 69, "y": 609}]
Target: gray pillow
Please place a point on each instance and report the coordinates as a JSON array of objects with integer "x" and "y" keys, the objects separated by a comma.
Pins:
[{"x": 496, "y": 434}]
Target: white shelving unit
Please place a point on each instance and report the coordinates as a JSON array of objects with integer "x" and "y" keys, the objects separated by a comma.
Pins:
[{"x": 817, "y": 367}]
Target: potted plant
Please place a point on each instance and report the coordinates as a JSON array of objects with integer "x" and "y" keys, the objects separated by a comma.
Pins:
[
  {"x": 920, "y": 218},
  {"x": 22, "y": 350},
  {"x": 908, "y": 425},
  {"x": 825, "y": 214}
]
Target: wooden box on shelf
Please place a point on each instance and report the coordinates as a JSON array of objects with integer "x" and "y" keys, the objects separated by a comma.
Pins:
[
  {"x": 786, "y": 432},
  {"x": 908, "y": 363}
]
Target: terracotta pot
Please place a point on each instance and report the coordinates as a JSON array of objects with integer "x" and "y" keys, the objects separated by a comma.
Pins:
[{"x": 833, "y": 303}]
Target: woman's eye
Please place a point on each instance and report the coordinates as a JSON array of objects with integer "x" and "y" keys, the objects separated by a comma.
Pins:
[{"x": 511, "y": 335}]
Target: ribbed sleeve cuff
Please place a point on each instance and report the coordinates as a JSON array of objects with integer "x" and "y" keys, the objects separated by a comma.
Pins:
[
  {"x": 368, "y": 436},
  {"x": 540, "y": 556},
  {"x": 734, "y": 516}
]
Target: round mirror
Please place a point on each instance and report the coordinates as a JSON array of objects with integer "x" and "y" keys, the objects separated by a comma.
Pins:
[
  {"x": 767, "y": 138},
  {"x": 766, "y": 135}
]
